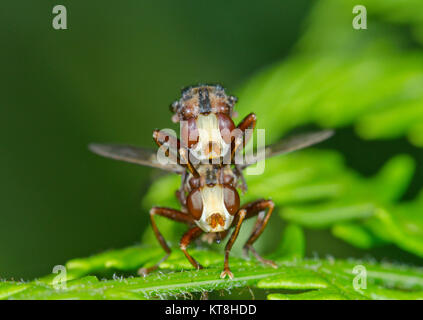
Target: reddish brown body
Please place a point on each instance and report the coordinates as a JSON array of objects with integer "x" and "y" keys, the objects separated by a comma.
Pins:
[{"x": 209, "y": 199}]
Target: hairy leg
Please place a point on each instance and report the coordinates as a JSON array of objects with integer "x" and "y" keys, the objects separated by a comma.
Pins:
[
  {"x": 240, "y": 178},
  {"x": 241, "y": 138},
  {"x": 249, "y": 122},
  {"x": 180, "y": 193},
  {"x": 226, "y": 270},
  {"x": 189, "y": 236},
  {"x": 172, "y": 214},
  {"x": 258, "y": 208}
]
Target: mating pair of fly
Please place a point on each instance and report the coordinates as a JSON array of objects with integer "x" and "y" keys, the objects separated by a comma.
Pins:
[{"x": 208, "y": 195}]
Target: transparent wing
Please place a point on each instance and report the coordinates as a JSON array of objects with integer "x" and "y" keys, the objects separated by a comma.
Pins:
[
  {"x": 137, "y": 155},
  {"x": 293, "y": 143}
]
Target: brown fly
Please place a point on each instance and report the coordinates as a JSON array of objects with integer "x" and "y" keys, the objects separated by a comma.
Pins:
[{"x": 210, "y": 202}]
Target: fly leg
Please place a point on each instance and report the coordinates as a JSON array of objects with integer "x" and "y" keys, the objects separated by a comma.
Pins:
[
  {"x": 240, "y": 177},
  {"x": 226, "y": 270},
  {"x": 172, "y": 214},
  {"x": 241, "y": 137},
  {"x": 258, "y": 208},
  {"x": 249, "y": 122},
  {"x": 180, "y": 193},
  {"x": 189, "y": 236}
]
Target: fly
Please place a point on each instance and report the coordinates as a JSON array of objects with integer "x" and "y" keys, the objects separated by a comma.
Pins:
[{"x": 209, "y": 199}]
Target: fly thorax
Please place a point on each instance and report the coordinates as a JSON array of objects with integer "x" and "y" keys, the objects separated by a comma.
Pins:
[
  {"x": 210, "y": 142},
  {"x": 215, "y": 216}
]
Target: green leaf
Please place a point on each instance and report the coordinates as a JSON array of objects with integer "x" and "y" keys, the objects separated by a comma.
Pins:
[
  {"x": 356, "y": 235},
  {"x": 310, "y": 295},
  {"x": 326, "y": 215},
  {"x": 338, "y": 280},
  {"x": 292, "y": 245},
  {"x": 374, "y": 67},
  {"x": 296, "y": 279},
  {"x": 406, "y": 230}
]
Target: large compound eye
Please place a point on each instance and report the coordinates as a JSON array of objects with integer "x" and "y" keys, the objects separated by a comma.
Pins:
[
  {"x": 231, "y": 199},
  {"x": 195, "y": 204},
  {"x": 226, "y": 125},
  {"x": 189, "y": 134}
]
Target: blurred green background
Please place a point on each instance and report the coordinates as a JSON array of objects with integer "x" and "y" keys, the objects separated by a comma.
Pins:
[{"x": 111, "y": 76}]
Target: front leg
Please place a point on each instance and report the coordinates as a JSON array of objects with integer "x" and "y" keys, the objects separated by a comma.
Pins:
[
  {"x": 189, "y": 236},
  {"x": 180, "y": 193},
  {"x": 240, "y": 178},
  {"x": 241, "y": 137},
  {"x": 226, "y": 269},
  {"x": 172, "y": 214},
  {"x": 254, "y": 208}
]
